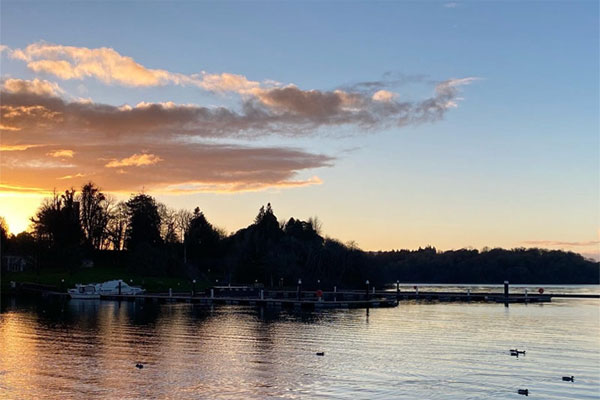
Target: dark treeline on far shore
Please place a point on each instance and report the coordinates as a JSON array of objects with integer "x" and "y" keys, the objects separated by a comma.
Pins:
[{"x": 75, "y": 229}]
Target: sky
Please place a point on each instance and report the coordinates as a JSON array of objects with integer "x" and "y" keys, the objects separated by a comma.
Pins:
[{"x": 398, "y": 124}]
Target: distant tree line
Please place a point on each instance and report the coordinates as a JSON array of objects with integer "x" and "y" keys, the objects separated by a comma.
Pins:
[{"x": 152, "y": 239}]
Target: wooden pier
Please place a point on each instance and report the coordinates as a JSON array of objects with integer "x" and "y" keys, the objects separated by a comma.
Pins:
[{"x": 251, "y": 296}]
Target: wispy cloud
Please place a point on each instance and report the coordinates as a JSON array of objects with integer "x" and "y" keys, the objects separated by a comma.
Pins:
[
  {"x": 287, "y": 110},
  {"x": 136, "y": 160},
  {"x": 557, "y": 243},
  {"x": 62, "y": 153},
  {"x": 185, "y": 167}
]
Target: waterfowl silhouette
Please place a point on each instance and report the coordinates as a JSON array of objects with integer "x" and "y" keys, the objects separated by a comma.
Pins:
[
  {"x": 524, "y": 392},
  {"x": 321, "y": 353},
  {"x": 139, "y": 365},
  {"x": 569, "y": 378}
]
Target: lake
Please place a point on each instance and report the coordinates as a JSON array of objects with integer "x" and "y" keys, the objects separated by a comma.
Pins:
[{"x": 86, "y": 349}]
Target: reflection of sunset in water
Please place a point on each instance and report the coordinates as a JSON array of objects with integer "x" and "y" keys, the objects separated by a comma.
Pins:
[{"x": 88, "y": 349}]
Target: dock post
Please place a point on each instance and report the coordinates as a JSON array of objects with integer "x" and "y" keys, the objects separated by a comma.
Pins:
[
  {"x": 262, "y": 294},
  {"x": 373, "y": 289},
  {"x": 335, "y": 293},
  {"x": 299, "y": 292},
  {"x": 212, "y": 293},
  {"x": 505, "y": 293},
  {"x": 170, "y": 292},
  {"x": 469, "y": 294},
  {"x": 119, "y": 288},
  {"x": 367, "y": 289},
  {"x": 526, "y": 295},
  {"x": 397, "y": 290},
  {"x": 193, "y": 287}
]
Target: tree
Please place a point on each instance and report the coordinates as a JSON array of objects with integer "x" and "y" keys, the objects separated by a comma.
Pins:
[
  {"x": 143, "y": 222},
  {"x": 202, "y": 238},
  {"x": 94, "y": 215},
  {"x": 3, "y": 235},
  {"x": 57, "y": 228},
  {"x": 117, "y": 225}
]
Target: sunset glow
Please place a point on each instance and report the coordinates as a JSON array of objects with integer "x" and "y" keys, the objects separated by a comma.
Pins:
[{"x": 470, "y": 141}]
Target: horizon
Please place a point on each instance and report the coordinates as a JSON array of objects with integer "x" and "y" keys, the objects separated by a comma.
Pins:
[{"x": 395, "y": 135}]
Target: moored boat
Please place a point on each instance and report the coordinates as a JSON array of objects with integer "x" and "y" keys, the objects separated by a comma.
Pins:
[
  {"x": 117, "y": 286},
  {"x": 88, "y": 291}
]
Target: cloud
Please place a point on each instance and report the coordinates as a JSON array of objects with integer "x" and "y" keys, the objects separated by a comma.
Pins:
[
  {"x": 104, "y": 64},
  {"x": 383, "y": 95},
  {"x": 556, "y": 243},
  {"x": 185, "y": 168},
  {"x": 281, "y": 110},
  {"x": 136, "y": 160},
  {"x": 18, "y": 147},
  {"x": 37, "y": 86},
  {"x": 110, "y": 67},
  {"x": 61, "y": 153}
]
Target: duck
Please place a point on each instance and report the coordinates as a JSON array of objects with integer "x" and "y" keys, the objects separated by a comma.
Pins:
[
  {"x": 321, "y": 353},
  {"x": 569, "y": 378},
  {"x": 139, "y": 365},
  {"x": 524, "y": 392},
  {"x": 515, "y": 351}
]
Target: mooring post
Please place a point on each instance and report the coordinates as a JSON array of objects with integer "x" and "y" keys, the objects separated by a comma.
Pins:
[
  {"x": 170, "y": 292},
  {"x": 373, "y": 289},
  {"x": 193, "y": 287},
  {"x": 505, "y": 293},
  {"x": 525, "y": 294},
  {"x": 212, "y": 293},
  {"x": 299, "y": 292},
  {"x": 469, "y": 293},
  {"x": 262, "y": 294},
  {"x": 119, "y": 288},
  {"x": 335, "y": 293},
  {"x": 397, "y": 290},
  {"x": 367, "y": 289}
]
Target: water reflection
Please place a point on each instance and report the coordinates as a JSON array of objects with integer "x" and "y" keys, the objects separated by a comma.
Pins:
[{"x": 88, "y": 349}]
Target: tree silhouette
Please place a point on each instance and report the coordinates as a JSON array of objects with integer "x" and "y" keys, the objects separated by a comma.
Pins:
[
  {"x": 94, "y": 215},
  {"x": 58, "y": 229},
  {"x": 144, "y": 222}
]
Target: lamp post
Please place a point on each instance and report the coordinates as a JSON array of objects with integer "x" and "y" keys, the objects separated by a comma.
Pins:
[
  {"x": 299, "y": 294},
  {"x": 367, "y": 288}
]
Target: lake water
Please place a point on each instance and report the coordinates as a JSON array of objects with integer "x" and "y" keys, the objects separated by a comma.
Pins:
[{"x": 88, "y": 350}]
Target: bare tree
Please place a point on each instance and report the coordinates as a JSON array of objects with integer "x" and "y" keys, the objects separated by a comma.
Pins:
[{"x": 117, "y": 225}]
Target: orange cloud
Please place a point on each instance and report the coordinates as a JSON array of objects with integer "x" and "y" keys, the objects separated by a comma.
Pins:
[
  {"x": 19, "y": 147},
  {"x": 36, "y": 86},
  {"x": 136, "y": 160},
  {"x": 61, "y": 153}
]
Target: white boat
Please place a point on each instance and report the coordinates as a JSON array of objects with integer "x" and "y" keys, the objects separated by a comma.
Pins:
[
  {"x": 117, "y": 287},
  {"x": 84, "y": 292},
  {"x": 94, "y": 290}
]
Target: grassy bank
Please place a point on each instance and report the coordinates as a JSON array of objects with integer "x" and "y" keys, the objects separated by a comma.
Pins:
[{"x": 98, "y": 275}]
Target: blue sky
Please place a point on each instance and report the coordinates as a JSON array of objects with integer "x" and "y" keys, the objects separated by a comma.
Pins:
[{"x": 516, "y": 162}]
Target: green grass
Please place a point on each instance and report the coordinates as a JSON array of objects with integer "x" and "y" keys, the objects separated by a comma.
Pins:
[{"x": 98, "y": 275}]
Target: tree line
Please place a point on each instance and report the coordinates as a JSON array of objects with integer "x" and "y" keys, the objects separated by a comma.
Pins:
[{"x": 152, "y": 239}]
